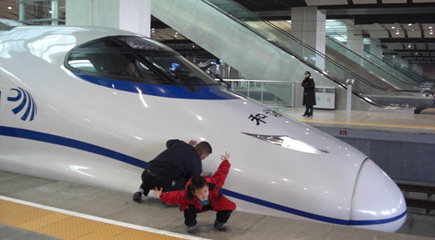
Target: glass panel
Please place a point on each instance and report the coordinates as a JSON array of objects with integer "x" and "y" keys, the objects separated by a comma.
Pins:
[
  {"x": 180, "y": 70},
  {"x": 101, "y": 43},
  {"x": 384, "y": 72},
  {"x": 271, "y": 93},
  {"x": 406, "y": 74},
  {"x": 122, "y": 66},
  {"x": 136, "y": 59},
  {"x": 144, "y": 44}
]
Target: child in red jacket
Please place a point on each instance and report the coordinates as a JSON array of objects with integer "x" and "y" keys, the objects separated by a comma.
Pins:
[{"x": 202, "y": 194}]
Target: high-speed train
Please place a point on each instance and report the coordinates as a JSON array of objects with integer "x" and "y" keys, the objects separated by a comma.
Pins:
[{"x": 92, "y": 105}]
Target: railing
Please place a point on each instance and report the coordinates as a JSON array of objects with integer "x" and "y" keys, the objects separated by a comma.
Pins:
[
  {"x": 268, "y": 92},
  {"x": 378, "y": 66}
]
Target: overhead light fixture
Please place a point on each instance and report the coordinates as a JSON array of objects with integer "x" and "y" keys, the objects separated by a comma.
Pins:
[
  {"x": 409, "y": 45},
  {"x": 409, "y": 24},
  {"x": 397, "y": 32},
  {"x": 393, "y": 27}
]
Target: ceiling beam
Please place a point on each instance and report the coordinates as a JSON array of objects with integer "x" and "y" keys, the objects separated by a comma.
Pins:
[
  {"x": 412, "y": 51},
  {"x": 407, "y": 40},
  {"x": 394, "y": 18}
]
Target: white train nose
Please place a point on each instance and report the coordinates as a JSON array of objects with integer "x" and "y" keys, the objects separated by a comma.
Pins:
[{"x": 377, "y": 202}]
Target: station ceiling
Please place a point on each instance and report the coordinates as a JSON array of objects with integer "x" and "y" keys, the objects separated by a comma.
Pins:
[{"x": 404, "y": 28}]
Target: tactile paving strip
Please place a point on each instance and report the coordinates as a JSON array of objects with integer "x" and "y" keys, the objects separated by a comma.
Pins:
[{"x": 64, "y": 226}]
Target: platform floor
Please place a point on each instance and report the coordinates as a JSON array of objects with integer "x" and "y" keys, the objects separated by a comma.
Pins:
[
  {"x": 36, "y": 208},
  {"x": 394, "y": 121}
]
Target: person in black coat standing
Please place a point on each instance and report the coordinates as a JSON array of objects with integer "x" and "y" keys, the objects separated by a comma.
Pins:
[{"x": 309, "y": 99}]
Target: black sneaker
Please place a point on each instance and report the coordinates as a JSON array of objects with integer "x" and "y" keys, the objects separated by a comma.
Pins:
[
  {"x": 137, "y": 197},
  {"x": 220, "y": 226},
  {"x": 191, "y": 229}
]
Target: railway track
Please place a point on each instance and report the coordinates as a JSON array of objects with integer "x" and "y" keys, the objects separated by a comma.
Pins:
[{"x": 419, "y": 196}]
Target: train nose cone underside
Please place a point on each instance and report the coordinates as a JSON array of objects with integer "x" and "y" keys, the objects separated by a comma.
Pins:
[{"x": 377, "y": 201}]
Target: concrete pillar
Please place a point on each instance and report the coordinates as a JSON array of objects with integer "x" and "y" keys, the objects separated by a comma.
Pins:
[
  {"x": 131, "y": 15},
  {"x": 54, "y": 12},
  {"x": 355, "y": 43},
  {"x": 308, "y": 25},
  {"x": 22, "y": 12},
  {"x": 376, "y": 48}
]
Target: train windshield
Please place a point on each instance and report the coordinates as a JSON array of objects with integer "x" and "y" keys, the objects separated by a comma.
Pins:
[
  {"x": 136, "y": 59},
  {"x": 179, "y": 70}
]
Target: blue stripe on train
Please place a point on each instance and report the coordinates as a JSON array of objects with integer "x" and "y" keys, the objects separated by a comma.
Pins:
[
  {"x": 80, "y": 145},
  {"x": 207, "y": 92}
]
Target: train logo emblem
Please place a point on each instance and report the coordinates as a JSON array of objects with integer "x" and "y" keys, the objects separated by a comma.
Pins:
[{"x": 26, "y": 104}]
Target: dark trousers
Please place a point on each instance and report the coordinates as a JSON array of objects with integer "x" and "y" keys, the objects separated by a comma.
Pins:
[
  {"x": 308, "y": 110},
  {"x": 151, "y": 181},
  {"x": 190, "y": 215}
]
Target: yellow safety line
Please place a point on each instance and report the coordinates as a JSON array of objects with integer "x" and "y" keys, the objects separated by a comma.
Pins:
[
  {"x": 367, "y": 124},
  {"x": 65, "y": 226}
]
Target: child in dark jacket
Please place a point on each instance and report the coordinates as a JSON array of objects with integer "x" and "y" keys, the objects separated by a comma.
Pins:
[{"x": 202, "y": 194}]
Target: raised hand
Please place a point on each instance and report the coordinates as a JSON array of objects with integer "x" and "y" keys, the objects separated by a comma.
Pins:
[{"x": 226, "y": 156}]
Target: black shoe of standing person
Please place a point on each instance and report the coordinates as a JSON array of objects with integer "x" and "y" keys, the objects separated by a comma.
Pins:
[
  {"x": 137, "y": 197},
  {"x": 220, "y": 226}
]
